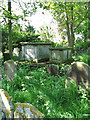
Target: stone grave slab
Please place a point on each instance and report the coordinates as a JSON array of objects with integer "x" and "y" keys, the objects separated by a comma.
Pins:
[{"x": 10, "y": 69}]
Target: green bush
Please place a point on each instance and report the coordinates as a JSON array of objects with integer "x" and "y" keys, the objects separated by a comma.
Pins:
[
  {"x": 80, "y": 44},
  {"x": 84, "y": 57}
]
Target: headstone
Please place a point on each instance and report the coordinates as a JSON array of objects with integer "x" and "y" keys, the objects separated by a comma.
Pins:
[
  {"x": 79, "y": 71},
  {"x": 6, "y": 105},
  {"x": 53, "y": 69},
  {"x": 10, "y": 69},
  {"x": 16, "y": 51},
  {"x": 26, "y": 110}
]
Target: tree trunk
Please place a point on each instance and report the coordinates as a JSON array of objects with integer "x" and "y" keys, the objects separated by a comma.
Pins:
[
  {"x": 67, "y": 27},
  {"x": 88, "y": 21},
  {"x": 10, "y": 31},
  {"x": 71, "y": 30}
]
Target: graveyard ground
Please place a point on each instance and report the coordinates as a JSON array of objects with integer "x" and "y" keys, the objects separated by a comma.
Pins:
[{"x": 47, "y": 93}]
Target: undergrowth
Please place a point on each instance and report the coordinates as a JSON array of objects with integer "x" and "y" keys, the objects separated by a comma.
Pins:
[
  {"x": 83, "y": 57},
  {"x": 47, "y": 93}
]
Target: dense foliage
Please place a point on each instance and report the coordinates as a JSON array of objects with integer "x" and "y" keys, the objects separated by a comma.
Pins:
[
  {"x": 12, "y": 30},
  {"x": 18, "y": 35}
]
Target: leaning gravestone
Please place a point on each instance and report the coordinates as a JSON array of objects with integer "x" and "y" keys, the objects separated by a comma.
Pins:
[
  {"x": 6, "y": 106},
  {"x": 10, "y": 69},
  {"x": 53, "y": 69},
  {"x": 79, "y": 71}
]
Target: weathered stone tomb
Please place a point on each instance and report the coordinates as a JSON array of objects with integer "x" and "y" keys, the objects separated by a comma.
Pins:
[{"x": 34, "y": 51}]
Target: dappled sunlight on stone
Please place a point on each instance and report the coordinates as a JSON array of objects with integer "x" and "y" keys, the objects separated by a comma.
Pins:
[
  {"x": 6, "y": 105},
  {"x": 60, "y": 54},
  {"x": 10, "y": 69},
  {"x": 35, "y": 51},
  {"x": 26, "y": 110}
]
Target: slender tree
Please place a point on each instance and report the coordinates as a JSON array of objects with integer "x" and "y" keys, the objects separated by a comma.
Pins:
[
  {"x": 71, "y": 29},
  {"x": 10, "y": 30},
  {"x": 67, "y": 26}
]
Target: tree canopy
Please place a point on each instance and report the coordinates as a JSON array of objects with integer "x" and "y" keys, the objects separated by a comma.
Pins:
[{"x": 72, "y": 18}]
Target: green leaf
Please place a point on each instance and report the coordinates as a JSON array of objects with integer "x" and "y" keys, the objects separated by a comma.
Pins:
[{"x": 41, "y": 5}]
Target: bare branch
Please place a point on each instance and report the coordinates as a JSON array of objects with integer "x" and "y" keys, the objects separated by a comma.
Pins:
[
  {"x": 3, "y": 8},
  {"x": 20, "y": 4},
  {"x": 5, "y": 19},
  {"x": 14, "y": 1}
]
